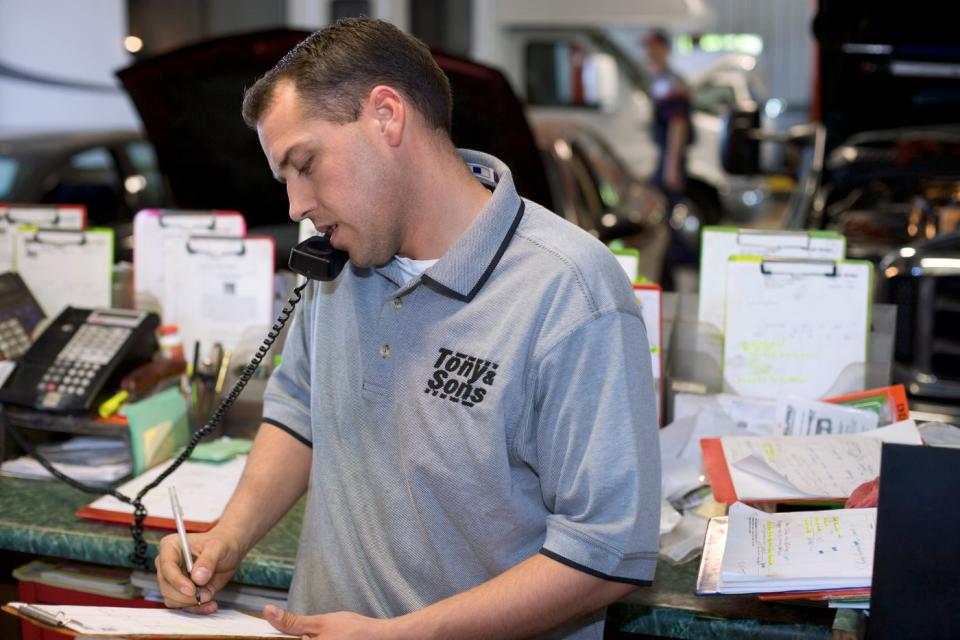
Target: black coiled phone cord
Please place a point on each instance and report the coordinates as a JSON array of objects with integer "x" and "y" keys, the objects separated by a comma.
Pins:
[{"x": 139, "y": 555}]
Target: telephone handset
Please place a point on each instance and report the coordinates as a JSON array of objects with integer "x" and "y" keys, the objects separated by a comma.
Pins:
[
  {"x": 81, "y": 354},
  {"x": 315, "y": 258}
]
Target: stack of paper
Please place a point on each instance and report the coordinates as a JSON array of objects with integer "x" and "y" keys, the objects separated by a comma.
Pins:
[
  {"x": 105, "y": 581},
  {"x": 784, "y": 468},
  {"x": 104, "y": 474},
  {"x": 799, "y": 551}
]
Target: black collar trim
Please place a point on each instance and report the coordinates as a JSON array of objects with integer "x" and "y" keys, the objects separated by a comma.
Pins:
[{"x": 447, "y": 291}]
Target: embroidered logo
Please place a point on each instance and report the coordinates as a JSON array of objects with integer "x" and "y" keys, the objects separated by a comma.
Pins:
[{"x": 462, "y": 378}]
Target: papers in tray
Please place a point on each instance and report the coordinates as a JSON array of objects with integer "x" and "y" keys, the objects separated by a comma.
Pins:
[
  {"x": 798, "y": 551},
  {"x": 103, "y": 474},
  {"x": 804, "y": 468},
  {"x": 204, "y": 491},
  {"x": 105, "y": 581}
]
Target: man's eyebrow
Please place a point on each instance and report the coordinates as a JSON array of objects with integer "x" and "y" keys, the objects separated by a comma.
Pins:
[{"x": 284, "y": 163}]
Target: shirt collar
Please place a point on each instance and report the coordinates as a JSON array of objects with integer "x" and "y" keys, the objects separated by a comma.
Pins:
[{"x": 462, "y": 271}]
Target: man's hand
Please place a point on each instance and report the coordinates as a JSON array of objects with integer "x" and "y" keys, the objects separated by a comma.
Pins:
[
  {"x": 218, "y": 556},
  {"x": 672, "y": 178},
  {"x": 341, "y": 625}
]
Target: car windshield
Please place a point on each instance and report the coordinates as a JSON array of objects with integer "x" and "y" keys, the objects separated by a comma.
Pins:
[{"x": 8, "y": 174}]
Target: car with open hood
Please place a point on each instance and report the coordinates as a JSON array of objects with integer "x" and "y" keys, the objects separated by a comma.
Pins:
[{"x": 189, "y": 101}]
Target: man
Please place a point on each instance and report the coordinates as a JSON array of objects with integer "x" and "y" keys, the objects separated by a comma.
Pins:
[
  {"x": 671, "y": 133},
  {"x": 671, "y": 117},
  {"x": 470, "y": 402}
]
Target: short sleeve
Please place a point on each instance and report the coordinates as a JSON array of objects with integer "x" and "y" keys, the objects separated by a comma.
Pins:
[
  {"x": 286, "y": 400},
  {"x": 597, "y": 450}
]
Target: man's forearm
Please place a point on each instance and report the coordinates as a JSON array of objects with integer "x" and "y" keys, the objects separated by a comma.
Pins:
[
  {"x": 676, "y": 140},
  {"x": 275, "y": 477},
  {"x": 537, "y": 595}
]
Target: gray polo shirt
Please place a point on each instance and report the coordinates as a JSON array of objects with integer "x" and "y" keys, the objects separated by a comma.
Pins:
[{"x": 498, "y": 406}]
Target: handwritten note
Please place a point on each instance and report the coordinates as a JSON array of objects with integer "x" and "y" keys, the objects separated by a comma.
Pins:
[
  {"x": 796, "y": 328},
  {"x": 800, "y": 550},
  {"x": 204, "y": 489},
  {"x": 805, "y": 467}
]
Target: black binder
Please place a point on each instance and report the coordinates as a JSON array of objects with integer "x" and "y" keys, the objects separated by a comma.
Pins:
[{"x": 916, "y": 564}]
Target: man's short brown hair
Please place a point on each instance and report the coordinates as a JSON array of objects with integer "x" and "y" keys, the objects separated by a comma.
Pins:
[{"x": 335, "y": 68}]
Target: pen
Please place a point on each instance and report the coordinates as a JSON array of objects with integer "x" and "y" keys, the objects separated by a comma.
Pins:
[{"x": 182, "y": 532}]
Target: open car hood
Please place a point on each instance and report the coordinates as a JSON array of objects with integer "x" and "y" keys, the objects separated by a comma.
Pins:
[{"x": 189, "y": 101}]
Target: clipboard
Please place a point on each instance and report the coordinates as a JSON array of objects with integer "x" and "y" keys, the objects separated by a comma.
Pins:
[
  {"x": 66, "y": 267},
  {"x": 796, "y": 327},
  {"x": 629, "y": 259},
  {"x": 650, "y": 298},
  {"x": 152, "y": 228},
  {"x": 43, "y": 617},
  {"x": 219, "y": 289},
  {"x": 13, "y": 216},
  {"x": 719, "y": 244},
  {"x": 208, "y": 485}
]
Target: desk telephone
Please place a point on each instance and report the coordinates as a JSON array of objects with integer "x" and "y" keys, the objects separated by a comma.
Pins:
[
  {"x": 82, "y": 353},
  {"x": 86, "y": 351}
]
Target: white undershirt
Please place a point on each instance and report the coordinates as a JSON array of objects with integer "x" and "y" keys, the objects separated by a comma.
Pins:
[{"x": 411, "y": 269}]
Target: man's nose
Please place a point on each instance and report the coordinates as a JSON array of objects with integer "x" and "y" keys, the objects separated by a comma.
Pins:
[{"x": 301, "y": 201}]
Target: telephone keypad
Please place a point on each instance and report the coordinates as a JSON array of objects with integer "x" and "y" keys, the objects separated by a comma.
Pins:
[{"x": 90, "y": 348}]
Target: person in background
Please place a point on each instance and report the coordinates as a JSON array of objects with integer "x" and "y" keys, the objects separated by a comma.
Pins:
[{"x": 672, "y": 133}]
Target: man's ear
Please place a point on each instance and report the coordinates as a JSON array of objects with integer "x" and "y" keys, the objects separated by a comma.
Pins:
[{"x": 389, "y": 112}]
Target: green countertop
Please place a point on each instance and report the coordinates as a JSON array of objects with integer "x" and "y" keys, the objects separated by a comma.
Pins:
[{"x": 37, "y": 517}]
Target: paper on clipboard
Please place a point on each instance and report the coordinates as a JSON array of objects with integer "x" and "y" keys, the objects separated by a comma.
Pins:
[
  {"x": 793, "y": 327},
  {"x": 219, "y": 288},
  {"x": 629, "y": 259},
  {"x": 13, "y": 216},
  {"x": 650, "y": 297},
  {"x": 718, "y": 244},
  {"x": 152, "y": 228},
  {"x": 209, "y": 485},
  {"x": 140, "y": 622},
  {"x": 65, "y": 268}
]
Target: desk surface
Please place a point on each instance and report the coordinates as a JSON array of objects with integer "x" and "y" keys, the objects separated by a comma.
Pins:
[{"x": 37, "y": 517}]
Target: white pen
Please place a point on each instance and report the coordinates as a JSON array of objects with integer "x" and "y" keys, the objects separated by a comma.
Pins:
[{"x": 182, "y": 532}]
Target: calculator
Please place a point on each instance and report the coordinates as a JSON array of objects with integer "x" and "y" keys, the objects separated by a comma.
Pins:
[{"x": 19, "y": 315}]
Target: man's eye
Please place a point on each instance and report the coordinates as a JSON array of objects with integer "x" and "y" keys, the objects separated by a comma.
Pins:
[{"x": 305, "y": 168}]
